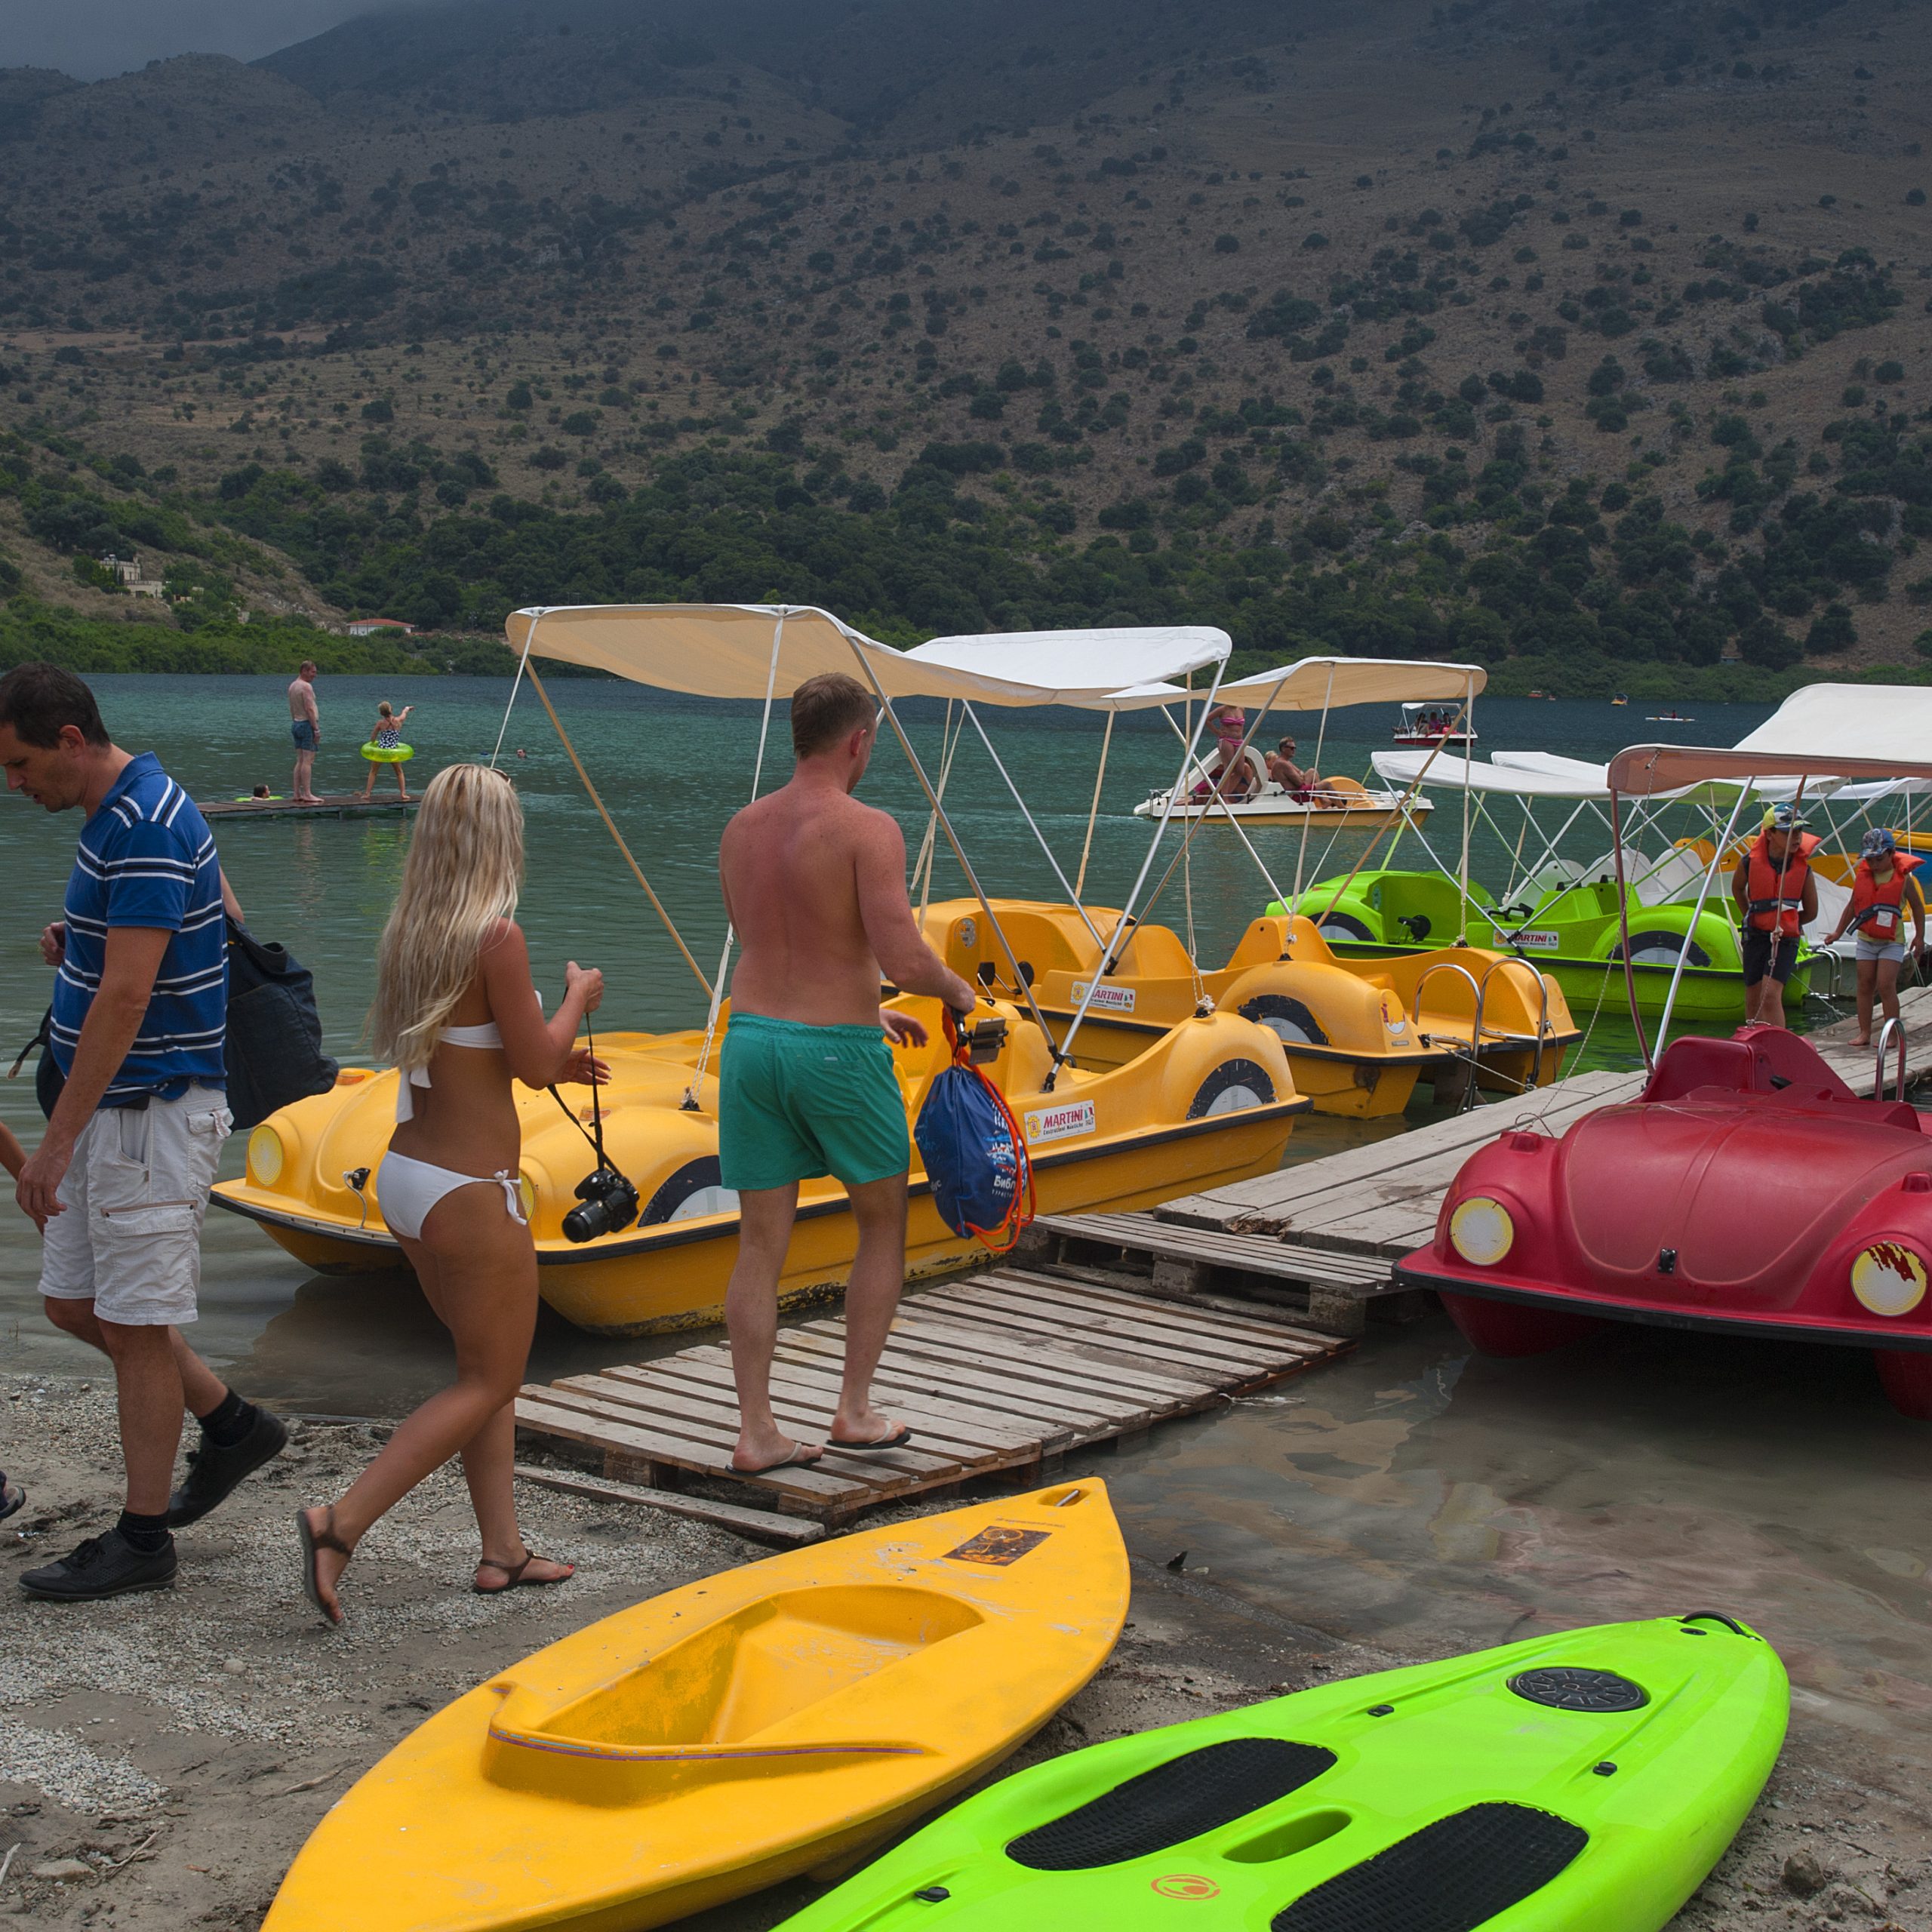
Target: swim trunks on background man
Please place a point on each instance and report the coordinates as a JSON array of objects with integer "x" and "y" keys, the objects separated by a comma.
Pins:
[
  {"x": 796, "y": 1102},
  {"x": 303, "y": 732}
]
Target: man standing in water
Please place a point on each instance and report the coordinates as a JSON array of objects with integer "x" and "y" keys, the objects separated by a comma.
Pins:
[
  {"x": 119, "y": 1183},
  {"x": 815, "y": 887},
  {"x": 305, "y": 728}
]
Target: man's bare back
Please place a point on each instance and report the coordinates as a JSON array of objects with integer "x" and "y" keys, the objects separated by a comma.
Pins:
[
  {"x": 301, "y": 703},
  {"x": 815, "y": 885}
]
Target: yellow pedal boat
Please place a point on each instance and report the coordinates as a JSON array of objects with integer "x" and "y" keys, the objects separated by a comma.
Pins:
[
  {"x": 1210, "y": 1101},
  {"x": 1356, "y": 1042},
  {"x": 779, "y": 1719}
]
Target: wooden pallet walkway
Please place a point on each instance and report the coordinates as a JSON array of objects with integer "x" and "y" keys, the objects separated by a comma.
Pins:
[
  {"x": 1855, "y": 1066},
  {"x": 999, "y": 1375},
  {"x": 346, "y": 804}
]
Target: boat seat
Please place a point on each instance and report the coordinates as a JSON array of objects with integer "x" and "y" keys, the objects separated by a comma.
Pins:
[
  {"x": 1754, "y": 1060},
  {"x": 1199, "y": 1792},
  {"x": 1452, "y": 1876}
]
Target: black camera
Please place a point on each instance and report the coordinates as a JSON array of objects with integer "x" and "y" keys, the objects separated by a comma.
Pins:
[{"x": 609, "y": 1206}]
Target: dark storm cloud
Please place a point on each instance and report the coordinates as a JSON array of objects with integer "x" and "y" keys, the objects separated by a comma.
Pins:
[{"x": 90, "y": 38}]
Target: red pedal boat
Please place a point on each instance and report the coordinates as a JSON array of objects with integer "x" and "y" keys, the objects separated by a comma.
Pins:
[{"x": 1747, "y": 1190}]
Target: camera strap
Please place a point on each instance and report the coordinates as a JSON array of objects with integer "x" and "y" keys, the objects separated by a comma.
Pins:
[{"x": 595, "y": 1136}]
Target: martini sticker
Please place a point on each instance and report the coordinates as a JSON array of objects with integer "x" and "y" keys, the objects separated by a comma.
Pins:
[{"x": 996, "y": 1547}]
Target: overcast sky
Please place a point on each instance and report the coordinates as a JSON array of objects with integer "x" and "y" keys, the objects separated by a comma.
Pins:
[{"x": 92, "y": 37}]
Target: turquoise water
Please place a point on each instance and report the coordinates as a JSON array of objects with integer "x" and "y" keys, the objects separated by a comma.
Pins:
[{"x": 671, "y": 771}]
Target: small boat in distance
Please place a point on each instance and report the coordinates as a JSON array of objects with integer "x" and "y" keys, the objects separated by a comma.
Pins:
[
  {"x": 1435, "y": 723},
  {"x": 1620, "y": 698},
  {"x": 1668, "y": 718}
]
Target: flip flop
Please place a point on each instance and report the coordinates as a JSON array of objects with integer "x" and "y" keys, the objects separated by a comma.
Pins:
[
  {"x": 312, "y": 1540},
  {"x": 897, "y": 1439},
  {"x": 513, "y": 1577},
  {"x": 797, "y": 1458}
]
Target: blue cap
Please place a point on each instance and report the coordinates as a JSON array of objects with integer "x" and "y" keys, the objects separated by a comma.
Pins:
[
  {"x": 1784, "y": 818},
  {"x": 1878, "y": 842}
]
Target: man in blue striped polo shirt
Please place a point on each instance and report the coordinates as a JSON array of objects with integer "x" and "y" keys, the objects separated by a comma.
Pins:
[{"x": 119, "y": 1185}]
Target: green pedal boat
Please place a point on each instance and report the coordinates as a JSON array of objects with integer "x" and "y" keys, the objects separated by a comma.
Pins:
[
  {"x": 1583, "y": 1783},
  {"x": 1570, "y": 931}
]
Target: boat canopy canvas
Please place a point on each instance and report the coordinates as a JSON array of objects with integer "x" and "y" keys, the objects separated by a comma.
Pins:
[
  {"x": 1888, "y": 725},
  {"x": 1652, "y": 771},
  {"x": 1455, "y": 773},
  {"x": 1144, "y": 658},
  {"x": 1312, "y": 684},
  {"x": 726, "y": 651}
]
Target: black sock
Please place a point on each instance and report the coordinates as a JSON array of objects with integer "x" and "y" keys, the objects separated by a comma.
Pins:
[
  {"x": 231, "y": 1419},
  {"x": 148, "y": 1534}
]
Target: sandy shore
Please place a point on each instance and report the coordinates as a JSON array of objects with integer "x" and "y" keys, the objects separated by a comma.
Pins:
[{"x": 162, "y": 1757}]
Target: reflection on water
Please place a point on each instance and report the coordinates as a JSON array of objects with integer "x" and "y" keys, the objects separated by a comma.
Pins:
[{"x": 1422, "y": 1497}]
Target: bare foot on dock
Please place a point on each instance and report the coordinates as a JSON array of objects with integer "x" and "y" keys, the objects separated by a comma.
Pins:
[{"x": 759, "y": 1455}]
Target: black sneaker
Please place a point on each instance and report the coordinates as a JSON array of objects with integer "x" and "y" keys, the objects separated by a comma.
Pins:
[
  {"x": 214, "y": 1470},
  {"x": 103, "y": 1566}
]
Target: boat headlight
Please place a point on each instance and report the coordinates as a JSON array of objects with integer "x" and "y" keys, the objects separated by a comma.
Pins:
[
  {"x": 265, "y": 1156},
  {"x": 1888, "y": 1278},
  {"x": 1480, "y": 1230}
]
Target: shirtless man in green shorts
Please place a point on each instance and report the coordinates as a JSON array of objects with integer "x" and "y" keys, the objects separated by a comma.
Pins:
[{"x": 815, "y": 887}]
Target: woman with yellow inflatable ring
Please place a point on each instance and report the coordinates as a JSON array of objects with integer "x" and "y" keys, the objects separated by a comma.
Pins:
[
  {"x": 1778, "y": 898},
  {"x": 386, "y": 747},
  {"x": 1883, "y": 890}
]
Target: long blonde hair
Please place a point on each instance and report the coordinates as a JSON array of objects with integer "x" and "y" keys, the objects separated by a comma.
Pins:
[{"x": 463, "y": 873}]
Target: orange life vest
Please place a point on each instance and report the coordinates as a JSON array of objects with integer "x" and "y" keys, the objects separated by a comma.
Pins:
[
  {"x": 1875, "y": 908},
  {"x": 1774, "y": 900}
]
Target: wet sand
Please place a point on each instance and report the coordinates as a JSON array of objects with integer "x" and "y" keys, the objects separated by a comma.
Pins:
[{"x": 168, "y": 1753}]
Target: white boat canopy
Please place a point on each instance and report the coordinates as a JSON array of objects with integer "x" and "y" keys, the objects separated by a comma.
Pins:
[
  {"x": 1645, "y": 771},
  {"x": 1311, "y": 683},
  {"x": 1887, "y": 725},
  {"x": 1455, "y": 774},
  {"x": 756, "y": 650}
]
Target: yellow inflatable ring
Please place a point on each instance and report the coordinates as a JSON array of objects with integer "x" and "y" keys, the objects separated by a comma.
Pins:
[{"x": 376, "y": 756}]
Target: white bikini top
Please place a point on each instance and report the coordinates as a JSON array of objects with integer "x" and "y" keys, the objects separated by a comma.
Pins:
[{"x": 487, "y": 1035}]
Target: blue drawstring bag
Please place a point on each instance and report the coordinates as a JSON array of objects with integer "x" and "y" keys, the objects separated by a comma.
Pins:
[{"x": 974, "y": 1154}]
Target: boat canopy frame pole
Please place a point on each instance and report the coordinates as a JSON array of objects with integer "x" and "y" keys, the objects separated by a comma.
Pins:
[
  {"x": 1094, "y": 810},
  {"x": 1469, "y": 740},
  {"x": 1032, "y": 825},
  {"x": 1690, "y": 931},
  {"x": 1624, "y": 932},
  {"x": 1021, "y": 983},
  {"x": 689, "y": 1103},
  {"x": 1321, "y": 741},
  {"x": 924, "y": 867},
  {"x": 1117, "y": 938},
  {"x": 516, "y": 683}
]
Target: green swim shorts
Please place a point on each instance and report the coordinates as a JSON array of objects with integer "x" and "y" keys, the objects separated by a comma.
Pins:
[{"x": 797, "y": 1101}]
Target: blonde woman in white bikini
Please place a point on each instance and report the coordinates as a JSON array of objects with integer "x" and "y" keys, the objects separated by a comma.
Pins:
[{"x": 455, "y": 1010}]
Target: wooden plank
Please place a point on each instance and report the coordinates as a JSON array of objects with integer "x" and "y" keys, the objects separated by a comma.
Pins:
[
  {"x": 799, "y": 1491},
  {"x": 697, "y": 1412},
  {"x": 1254, "y": 1254},
  {"x": 1192, "y": 1331},
  {"x": 1047, "y": 1405},
  {"x": 1127, "y": 1371},
  {"x": 1131, "y": 1341},
  {"x": 818, "y": 1384},
  {"x": 808, "y": 1405},
  {"x": 760, "y": 1525}
]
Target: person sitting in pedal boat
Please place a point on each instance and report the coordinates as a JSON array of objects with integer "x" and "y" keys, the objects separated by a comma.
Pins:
[
  {"x": 1778, "y": 897},
  {"x": 1283, "y": 769},
  {"x": 1882, "y": 891}
]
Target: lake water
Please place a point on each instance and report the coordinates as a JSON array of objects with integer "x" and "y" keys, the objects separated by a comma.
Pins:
[{"x": 671, "y": 771}]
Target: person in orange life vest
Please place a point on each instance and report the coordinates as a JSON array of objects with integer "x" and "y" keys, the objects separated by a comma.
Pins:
[
  {"x": 1777, "y": 898},
  {"x": 1883, "y": 890}
]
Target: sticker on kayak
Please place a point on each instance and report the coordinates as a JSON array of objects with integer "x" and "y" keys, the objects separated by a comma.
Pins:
[
  {"x": 999, "y": 1547},
  {"x": 1060, "y": 1123},
  {"x": 1107, "y": 999},
  {"x": 1186, "y": 1885},
  {"x": 1539, "y": 942}
]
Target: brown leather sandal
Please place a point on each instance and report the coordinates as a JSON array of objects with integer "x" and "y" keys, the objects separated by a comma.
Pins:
[
  {"x": 514, "y": 1578},
  {"x": 312, "y": 1540}
]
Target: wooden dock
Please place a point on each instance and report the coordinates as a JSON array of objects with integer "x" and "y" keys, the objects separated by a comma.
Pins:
[
  {"x": 999, "y": 1375},
  {"x": 348, "y": 805},
  {"x": 1320, "y": 1239}
]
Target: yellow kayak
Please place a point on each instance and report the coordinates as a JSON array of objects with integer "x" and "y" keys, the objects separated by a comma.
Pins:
[{"x": 772, "y": 1721}]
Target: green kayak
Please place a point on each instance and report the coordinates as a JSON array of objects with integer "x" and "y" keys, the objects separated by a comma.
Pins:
[{"x": 1588, "y": 1780}]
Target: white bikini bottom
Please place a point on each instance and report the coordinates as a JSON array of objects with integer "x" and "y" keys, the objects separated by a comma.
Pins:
[{"x": 407, "y": 1189}]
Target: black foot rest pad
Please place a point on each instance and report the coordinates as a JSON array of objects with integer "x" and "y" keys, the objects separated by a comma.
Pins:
[
  {"x": 1450, "y": 1876},
  {"x": 1173, "y": 1803},
  {"x": 1571, "y": 1688}
]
